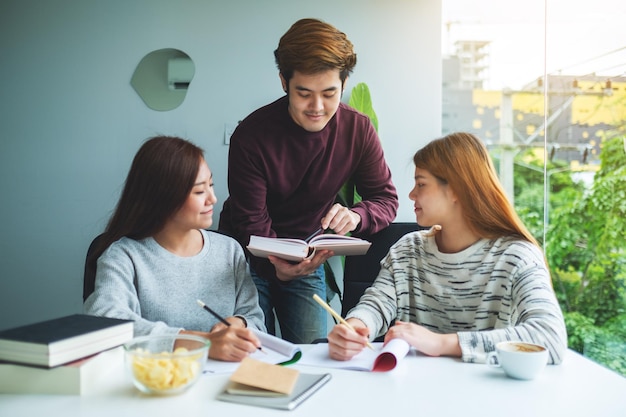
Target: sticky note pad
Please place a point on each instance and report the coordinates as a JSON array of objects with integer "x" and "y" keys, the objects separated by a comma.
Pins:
[{"x": 257, "y": 374}]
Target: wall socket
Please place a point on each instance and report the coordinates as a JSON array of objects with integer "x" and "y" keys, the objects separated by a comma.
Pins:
[{"x": 229, "y": 128}]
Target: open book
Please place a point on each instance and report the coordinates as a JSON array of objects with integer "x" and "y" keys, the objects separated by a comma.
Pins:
[
  {"x": 276, "y": 351},
  {"x": 298, "y": 250},
  {"x": 381, "y": 359}
]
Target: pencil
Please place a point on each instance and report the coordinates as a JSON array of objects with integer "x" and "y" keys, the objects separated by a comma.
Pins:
[
  {"x": 220, "y": 318},
  {"x": 336, "y": 316}
]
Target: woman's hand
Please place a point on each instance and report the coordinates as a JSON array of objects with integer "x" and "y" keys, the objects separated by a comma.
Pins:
[
  {"x": 231, "y": 344},
  {"x": 234, "y": 321},
  {"x": 344, "y": 343},
  {"x": 425, "y": 341},
  {"x": 287, "y": 271}
]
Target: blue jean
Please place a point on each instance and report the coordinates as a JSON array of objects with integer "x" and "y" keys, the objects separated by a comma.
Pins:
[{"x": 300, "y": 318}]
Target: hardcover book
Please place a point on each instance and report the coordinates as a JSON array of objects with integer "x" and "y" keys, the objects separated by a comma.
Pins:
[
  {"x": 82, "y": 377},
  {"x": 55, "y": 342},
  {"x": 297, "y": 250}
]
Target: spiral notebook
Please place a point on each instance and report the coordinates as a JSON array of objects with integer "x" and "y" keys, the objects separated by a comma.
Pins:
[{"x": 306, "y": 386}]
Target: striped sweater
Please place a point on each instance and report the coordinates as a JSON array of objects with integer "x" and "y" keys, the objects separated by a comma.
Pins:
[{"x": 492, "y": 291}]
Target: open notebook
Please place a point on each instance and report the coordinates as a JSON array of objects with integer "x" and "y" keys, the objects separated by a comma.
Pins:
[
  {"x": 275, "y": 351},
  {"x": 380, "y": 359}
]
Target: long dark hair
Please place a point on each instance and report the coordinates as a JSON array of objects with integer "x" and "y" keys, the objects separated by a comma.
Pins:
[{"x": 160, "y": 179}]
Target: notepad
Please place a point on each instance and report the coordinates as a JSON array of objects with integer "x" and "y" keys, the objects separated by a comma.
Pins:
[
  {"x": 306, "y": 386},
  {"x": 257, "y": 378}
]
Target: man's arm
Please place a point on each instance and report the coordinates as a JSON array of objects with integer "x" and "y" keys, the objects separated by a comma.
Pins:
[{"x": 373, "y": 183}]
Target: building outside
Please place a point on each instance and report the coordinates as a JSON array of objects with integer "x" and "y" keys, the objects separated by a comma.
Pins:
[{"x": 581, "y": 109}]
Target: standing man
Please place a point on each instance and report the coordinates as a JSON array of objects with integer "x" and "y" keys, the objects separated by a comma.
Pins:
[{"x": 287, "y": 162}]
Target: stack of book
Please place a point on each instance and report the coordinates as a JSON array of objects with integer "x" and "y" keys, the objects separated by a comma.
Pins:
[{"x": 66, "y": 355}]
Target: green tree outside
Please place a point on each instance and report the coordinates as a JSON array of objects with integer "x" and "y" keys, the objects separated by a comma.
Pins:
[{"x": 585, "y": 247}]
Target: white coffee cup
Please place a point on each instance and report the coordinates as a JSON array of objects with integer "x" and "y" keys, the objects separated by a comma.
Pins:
[{"x": 519, "y": 360}]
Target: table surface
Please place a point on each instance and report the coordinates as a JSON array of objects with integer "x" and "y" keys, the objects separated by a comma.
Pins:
[{"x": 419, "y": 385}]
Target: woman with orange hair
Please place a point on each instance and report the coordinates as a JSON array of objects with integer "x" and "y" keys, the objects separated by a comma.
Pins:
[{"x": 475, "y": 278}]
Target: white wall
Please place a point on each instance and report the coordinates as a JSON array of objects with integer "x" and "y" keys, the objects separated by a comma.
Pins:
[{"x": 71, "y": 123}]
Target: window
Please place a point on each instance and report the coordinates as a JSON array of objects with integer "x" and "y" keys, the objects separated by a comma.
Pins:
[{"x": 543, "y": 83}]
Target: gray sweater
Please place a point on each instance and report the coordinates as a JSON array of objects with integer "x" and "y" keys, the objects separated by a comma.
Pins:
[
  {"x": 492, "y": 291},
  {"x": 142, "y": 281}
]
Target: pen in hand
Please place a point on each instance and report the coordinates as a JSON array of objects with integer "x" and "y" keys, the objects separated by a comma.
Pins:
[
  {"x": 337, "y": 316},
  {"x": 220, "y": 318}
]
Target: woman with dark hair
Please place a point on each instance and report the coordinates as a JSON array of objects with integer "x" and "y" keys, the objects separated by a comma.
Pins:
[
  {"x": 155, "y": 259},
  {"x": 475, "y": 278}
]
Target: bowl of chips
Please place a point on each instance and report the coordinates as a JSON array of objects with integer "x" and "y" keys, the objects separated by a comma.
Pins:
[{"x": 167, "y": 364}]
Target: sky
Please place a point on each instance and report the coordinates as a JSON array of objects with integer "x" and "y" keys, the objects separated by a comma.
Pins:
[{"x": 581, "y": 37}]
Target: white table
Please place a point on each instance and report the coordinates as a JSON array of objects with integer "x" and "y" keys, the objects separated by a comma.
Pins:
[{"x": 419, "y": 386}]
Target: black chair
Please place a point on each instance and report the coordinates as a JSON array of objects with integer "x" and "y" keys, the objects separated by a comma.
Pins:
[
  {"x": 360, "y": 271},
  {"x": 89, "y": 276}
]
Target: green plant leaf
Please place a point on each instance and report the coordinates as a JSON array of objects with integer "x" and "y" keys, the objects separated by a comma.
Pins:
[{"x": 361, "y": 100}]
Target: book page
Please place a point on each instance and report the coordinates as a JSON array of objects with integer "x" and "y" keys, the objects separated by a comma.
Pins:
[
  {"x": 283, "y": 351},
  {"x": 291, "y": 250},
  {"x": 341, "y": 245},
  {"x": 392, "y": 353},
  {"x": 336, "y": 240}
]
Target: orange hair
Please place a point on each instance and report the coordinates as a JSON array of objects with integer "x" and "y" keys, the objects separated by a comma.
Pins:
[{"x": 462, "y": 161}]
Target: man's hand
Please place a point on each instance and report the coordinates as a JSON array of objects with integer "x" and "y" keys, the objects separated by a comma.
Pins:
[
  {"x": 341, "y": 220},
  {"x": 287, "y": 271}
]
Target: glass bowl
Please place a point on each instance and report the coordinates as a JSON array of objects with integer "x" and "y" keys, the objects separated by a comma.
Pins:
[{"x": 166, "y": 364}]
